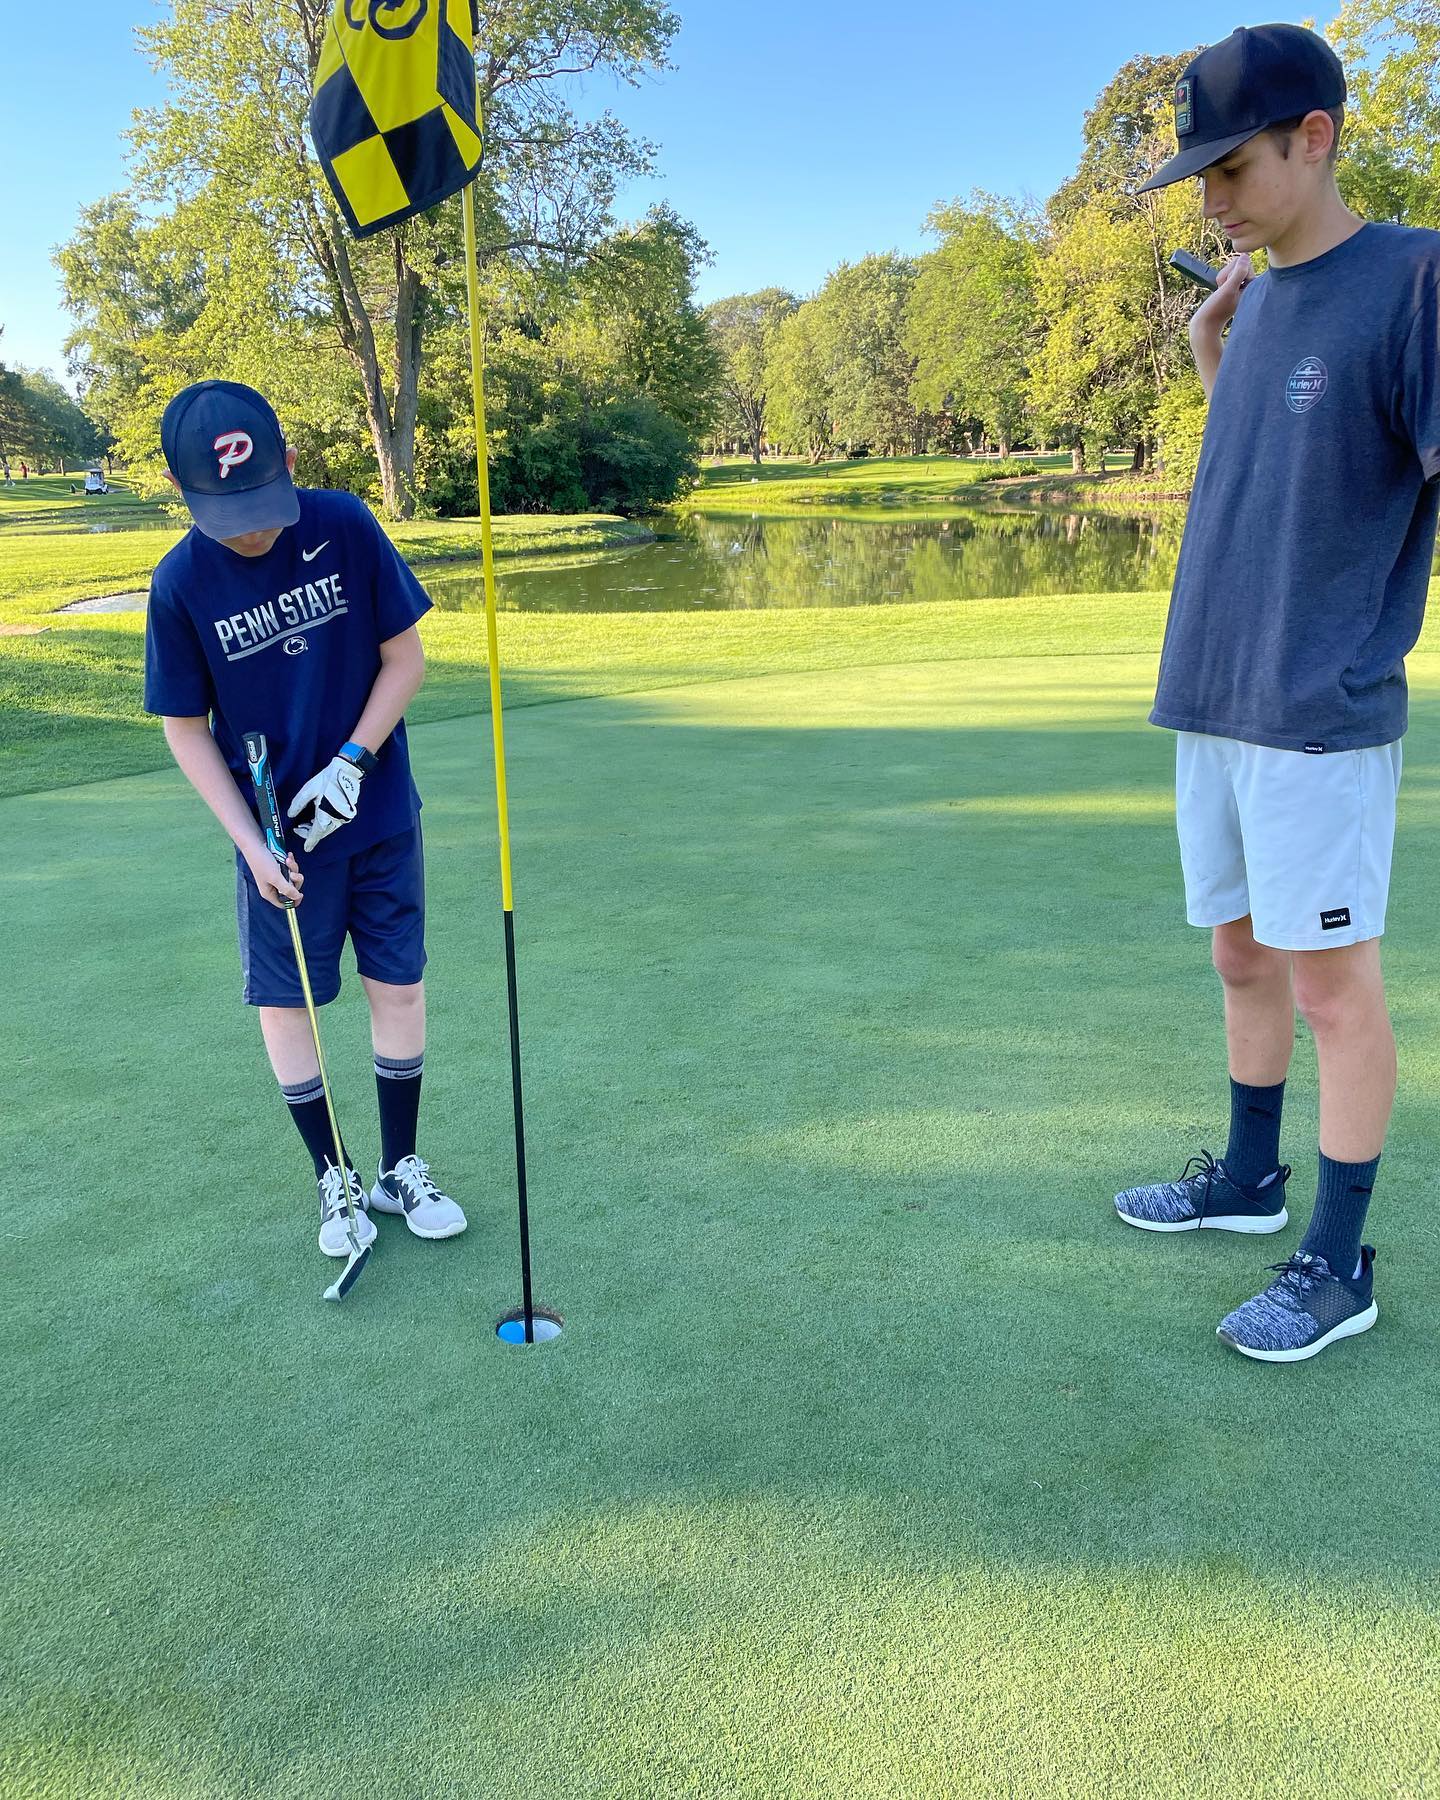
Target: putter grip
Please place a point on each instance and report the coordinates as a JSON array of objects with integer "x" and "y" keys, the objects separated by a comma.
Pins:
[
  {"x": 1198, "y": 271},
  {"x": 257, "y": 754}
]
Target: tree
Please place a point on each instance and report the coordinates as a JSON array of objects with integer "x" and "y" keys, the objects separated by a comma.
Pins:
[
  {"x": 799, "y": 391},
  {"x": 1390, "y": 147},
  {"x": 228, "y": 167},
  {"x": 1129, "y": 331},
  {"x": 57, "y": 429},
  {"x": 616, "y": 345},
  {"x": 1089, "y": 384},
  {"x": 972, "y": 326},
  {"x": 636, "y": 299},
  {"x": 856, "y": 327},
  {"x": 14, "y": 410},
  {"x": 744, "y": 329}
]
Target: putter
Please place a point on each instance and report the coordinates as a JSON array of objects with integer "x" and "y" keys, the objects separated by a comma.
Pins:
[
  {"x": 1196, "y": 268},
  {"x": 257, "y": 754}
]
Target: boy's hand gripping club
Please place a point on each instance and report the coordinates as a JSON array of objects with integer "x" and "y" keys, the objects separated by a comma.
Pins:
[{"x": 257, "y": 754}]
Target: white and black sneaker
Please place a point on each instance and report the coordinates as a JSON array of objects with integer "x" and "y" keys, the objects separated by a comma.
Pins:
[
  {"x": 1205, "y": 1198},
  {"x": 408, "y": 1190},
  {"x": 1309, "y": 1307},
  {"x": 335, "y": 1215}
]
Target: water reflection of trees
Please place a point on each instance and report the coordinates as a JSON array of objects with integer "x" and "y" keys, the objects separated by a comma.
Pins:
[
  {"x": 750, "y": 564},
  {"x": 972, "y": 555}
]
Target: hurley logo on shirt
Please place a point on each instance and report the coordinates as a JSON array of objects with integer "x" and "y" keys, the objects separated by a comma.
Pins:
[
  {"x": 303, "y": 608},
  {"x": 1308, "y": 384}
]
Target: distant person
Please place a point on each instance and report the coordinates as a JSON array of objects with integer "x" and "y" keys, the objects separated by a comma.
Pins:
[
  {"x": 24, "y": 472},
  {"x": 9, "y": 478},
  {"x": 1300, "y": 588},
  {"x": 291, "y": 613}
]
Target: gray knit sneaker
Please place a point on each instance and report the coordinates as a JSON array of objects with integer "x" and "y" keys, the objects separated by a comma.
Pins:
[
  {"x": 1206, "y": 1198},
  {"x": 1309, "y": 1307}
]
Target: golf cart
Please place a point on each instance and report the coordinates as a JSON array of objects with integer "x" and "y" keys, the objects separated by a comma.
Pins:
[{"x": 95, "y": 483}]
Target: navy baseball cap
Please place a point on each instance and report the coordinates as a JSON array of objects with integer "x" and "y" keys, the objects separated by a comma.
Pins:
[
  {"x": 224, "y": 446},
  {"x": 1260, "y": 75}
]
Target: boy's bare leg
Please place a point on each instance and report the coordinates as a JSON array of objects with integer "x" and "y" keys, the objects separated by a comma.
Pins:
[
  {"x": 291, "y": 1048},
  {"x": 1341, "y": 995},
  {"x": 1326, "y": 1290},
  {"x": 1259, "y": 1005},
  {"x": 397, "y": 1018}
]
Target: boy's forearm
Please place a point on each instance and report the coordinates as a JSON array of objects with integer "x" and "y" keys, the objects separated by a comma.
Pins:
[
  {"x": 198, "y": 755},
  {"x": 1207, "y": 347},
  {"x": 402, "y": 670}
]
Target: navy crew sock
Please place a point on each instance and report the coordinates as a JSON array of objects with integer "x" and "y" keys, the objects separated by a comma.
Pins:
[
  {"x": 397, "y": 1084},
  {"x": 1254, "y": 1149},
  {"x": 1338, "y": 1222},
  {"x": 306, "y": 1100}
]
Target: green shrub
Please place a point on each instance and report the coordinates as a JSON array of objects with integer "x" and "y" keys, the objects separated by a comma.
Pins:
[
  {"x": 1180, "y": 425},
  {"x": 1006, "y": 469}
]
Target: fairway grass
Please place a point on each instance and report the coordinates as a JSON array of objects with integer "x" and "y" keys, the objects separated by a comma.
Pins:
[{"x": 877, "y": 1458}]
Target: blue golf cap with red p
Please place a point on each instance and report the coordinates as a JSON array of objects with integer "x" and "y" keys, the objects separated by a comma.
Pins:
[
  {"x": 1260, "y": 75},
  {"x": 224, "y": 446}
]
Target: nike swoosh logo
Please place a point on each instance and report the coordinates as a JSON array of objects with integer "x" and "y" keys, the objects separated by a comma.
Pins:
[{"x": 310, "y": 555}]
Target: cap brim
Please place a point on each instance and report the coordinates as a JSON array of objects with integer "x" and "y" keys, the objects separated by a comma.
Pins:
[
  {"x": 1193, "y": 162},
  {"x": 249, "y": 509}
]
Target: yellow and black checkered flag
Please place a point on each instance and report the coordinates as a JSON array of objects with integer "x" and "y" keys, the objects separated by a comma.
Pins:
[{"x": 396, "y": 110}]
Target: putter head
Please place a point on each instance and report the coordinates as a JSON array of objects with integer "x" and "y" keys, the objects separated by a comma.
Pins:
[{"x": 351, "y": 1272}]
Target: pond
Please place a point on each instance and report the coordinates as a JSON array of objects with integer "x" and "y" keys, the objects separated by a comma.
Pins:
[{"x": 732, "y": 563}]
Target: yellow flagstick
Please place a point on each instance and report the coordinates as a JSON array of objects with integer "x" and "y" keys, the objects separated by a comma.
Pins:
[{"x": 497, "y": 725}]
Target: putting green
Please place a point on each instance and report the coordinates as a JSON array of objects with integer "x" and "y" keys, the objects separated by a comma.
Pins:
[{"x": 876, "y": 1458}]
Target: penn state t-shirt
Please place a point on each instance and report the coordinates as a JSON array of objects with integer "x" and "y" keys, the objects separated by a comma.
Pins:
[
  {"x": 289, "y": 644},
  {"x": 1306, "y": 558}
]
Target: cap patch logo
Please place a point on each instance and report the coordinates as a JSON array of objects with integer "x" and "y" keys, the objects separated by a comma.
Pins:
[
  {"x": 1184, "y": 107},
  {"x": 1308, "y": 384},
  {"x": 233, "y": 447}
]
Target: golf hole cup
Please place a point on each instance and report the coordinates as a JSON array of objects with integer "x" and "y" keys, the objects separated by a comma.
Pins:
[{"x": 547, "y": 1326}]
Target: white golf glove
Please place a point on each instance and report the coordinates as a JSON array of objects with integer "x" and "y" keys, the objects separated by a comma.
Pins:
[{"x": 335, "y": 795}]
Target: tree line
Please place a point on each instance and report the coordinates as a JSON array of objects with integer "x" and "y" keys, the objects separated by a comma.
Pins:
[
  {"x": 41, "y": 425},
  {"x": 1026, "y": 324},
  {"x": 1058, "y": 324}
]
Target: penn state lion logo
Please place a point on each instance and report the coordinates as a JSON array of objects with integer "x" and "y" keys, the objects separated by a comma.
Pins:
[
  {"x": 1308, "y": 384},
  {"x": 295, "y": 646}
]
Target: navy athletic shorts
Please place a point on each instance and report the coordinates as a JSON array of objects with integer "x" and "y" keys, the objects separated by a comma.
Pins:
[{"x": 376, "y": 897}]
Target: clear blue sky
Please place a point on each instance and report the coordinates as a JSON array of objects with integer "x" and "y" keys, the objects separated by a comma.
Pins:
[{"x": 794, "y": 133}]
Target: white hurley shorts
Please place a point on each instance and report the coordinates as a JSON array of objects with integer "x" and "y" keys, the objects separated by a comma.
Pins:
[{"x": 1301, "y": 843}]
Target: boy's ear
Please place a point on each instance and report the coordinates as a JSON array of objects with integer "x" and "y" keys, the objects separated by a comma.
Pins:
[{"x": 290, "y": 459}]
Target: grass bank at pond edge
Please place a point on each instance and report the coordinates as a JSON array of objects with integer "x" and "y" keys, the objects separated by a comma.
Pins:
[{"x": 923, "y": 483}]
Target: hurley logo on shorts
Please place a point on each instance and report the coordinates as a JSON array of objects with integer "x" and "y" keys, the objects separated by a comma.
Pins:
[
  {"x": 1335, "y": 919},
  {"x": 303, "y": 608}
]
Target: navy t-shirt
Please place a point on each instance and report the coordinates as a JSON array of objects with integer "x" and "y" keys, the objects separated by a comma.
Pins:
[
  {"x": 1306, "y": 559},
  {"x": 289, "y": 644}
]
